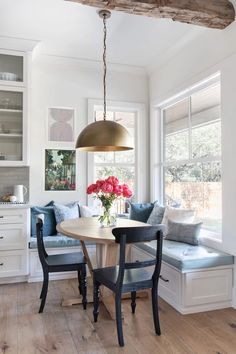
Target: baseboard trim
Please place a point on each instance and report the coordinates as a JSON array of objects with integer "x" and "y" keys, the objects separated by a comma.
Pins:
[
  {"x": 18, "y": 279},
  {"x": 197, "y": 308}
]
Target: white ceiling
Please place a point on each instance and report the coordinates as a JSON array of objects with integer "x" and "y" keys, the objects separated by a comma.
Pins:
[{"x": 74, "y": 30}]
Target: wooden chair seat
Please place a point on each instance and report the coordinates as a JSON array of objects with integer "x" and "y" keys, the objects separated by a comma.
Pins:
[
  {"x": 134, "y": 279},
  {"x": 71, "y": 260}
]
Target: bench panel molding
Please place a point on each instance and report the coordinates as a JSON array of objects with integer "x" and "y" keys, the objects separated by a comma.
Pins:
[{"x": 208, "y": 287}]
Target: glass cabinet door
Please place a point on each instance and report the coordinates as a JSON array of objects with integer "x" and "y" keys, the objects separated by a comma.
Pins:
[
  {"x": 11, "y": 125},
  {"x": 11, "y": 68}
]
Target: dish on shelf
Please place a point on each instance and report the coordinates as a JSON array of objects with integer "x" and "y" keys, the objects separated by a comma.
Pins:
[{"x": 8, "y": 76}]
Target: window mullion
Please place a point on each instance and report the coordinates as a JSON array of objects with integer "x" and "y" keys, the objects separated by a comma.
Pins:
[
  {"x": 190, "y": 128},
  {"x": 113, "y": 153}
]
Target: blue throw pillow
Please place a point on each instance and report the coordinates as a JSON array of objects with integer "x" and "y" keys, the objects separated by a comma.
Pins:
[
  {"x": 64, "y": 212},
  {"x": 49, "y": 226},
  {"x": 51, "y": 203},
  {"x": 156, "y": 216},
  {"x": 140, "y": 211},
  {"x": 181, "y": 232}
]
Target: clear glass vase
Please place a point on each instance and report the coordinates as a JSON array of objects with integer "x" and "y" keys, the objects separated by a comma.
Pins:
[{"x": 107, "y": 218}]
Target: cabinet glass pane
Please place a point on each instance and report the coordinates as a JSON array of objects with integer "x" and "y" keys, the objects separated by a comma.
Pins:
[
  {"x": 11, "y": 125},
  {"x": 11, "y": 68}
]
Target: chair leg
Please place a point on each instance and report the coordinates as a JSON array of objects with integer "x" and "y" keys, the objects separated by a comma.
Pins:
[
  {"x": 96, "y": 293},
  {"x": 79, "y": 280},
  {"x": 155, "y": 310},
  {"x": 83, "y": 284},
  {"x": 41, "y": 294},
  {"x": 133, "y": 303},
  {"x": 119, "y": 320},
  {"x": 44, "y": 291}
]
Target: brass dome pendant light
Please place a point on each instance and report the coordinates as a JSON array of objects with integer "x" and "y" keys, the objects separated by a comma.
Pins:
[{"x": 104, "y": 135}]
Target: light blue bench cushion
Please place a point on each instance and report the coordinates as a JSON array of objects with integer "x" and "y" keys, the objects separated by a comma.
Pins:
[
  {"x": 185, "y": 257},
  {"x": 55, "y": 241}
]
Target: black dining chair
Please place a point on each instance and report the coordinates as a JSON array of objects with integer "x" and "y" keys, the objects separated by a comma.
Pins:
[
  {"x": 59, "y": 263},
  {"x": 133, "y": 276}
]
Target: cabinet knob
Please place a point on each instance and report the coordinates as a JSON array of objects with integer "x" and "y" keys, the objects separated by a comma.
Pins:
[
  {"x": 1, "y": 264},
  {"x": 1, "y": 237}
]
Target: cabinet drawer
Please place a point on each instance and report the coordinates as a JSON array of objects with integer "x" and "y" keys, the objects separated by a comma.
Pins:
[
  {"x": 13, "y": 237},
  {"x": 170, "y": 283},
  {"x": 13, "y": 263},
  {"x": 13, "y": 216}
]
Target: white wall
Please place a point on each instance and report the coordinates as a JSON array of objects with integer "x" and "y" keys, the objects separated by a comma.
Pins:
[
  {"x": 215, "y": 51},
  {"x": 66, "y": 82}
]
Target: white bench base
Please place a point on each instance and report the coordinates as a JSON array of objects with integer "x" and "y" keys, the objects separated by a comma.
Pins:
[{"x": 193, "y": 290}]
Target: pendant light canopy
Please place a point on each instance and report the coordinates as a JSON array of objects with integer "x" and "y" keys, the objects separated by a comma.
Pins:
[{"x": 104, "y": 135}]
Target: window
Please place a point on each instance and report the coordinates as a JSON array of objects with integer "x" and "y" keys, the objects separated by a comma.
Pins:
[
  {"x": 192, "y": 156},
  {"x": 121, "y": 164}
]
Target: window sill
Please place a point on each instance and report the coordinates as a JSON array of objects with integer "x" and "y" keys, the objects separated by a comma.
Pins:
[{"x": 211, "y": 239}]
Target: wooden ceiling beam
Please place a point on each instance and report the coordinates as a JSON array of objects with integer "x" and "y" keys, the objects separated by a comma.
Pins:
[{"x": 208, "y": 13}]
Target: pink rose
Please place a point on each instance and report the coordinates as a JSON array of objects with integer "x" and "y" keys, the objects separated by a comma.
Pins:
[{"x": 112, "y": 180}]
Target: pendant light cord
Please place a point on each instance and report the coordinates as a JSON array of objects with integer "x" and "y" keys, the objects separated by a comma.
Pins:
[{"x": 105, "y": 67}]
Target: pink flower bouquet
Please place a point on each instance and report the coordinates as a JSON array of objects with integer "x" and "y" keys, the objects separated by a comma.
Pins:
[{"x": 107, "y": 191}]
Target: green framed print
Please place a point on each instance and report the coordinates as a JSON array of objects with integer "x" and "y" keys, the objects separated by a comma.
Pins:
[{"x": 60, "y": 170}]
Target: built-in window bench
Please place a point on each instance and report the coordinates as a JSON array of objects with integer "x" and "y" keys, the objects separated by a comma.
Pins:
[
  {"x": 193, "y": 278},
  {"x": 55, "y": 245}
]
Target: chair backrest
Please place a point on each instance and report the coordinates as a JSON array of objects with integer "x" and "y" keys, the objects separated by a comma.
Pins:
[
  {"x": 39, "y": 233},
  {"x": 129, "y": 235}
]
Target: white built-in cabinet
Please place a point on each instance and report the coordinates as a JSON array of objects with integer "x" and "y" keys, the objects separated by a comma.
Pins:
[
  {"x": 14, "y": 238},
  {"x": 13, "y": 108},
  {"x": 196, "y": 290}
]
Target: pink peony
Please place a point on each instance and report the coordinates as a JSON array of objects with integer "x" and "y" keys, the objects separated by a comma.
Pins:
[
  {"x": 92, "y": 189},
  {"x": 126, "y": 191},
  {"x": 99, "y": 184},
  {"x": 112, "y": 180},
  {"x": 118, "y": 190},
  {"x": 107, "y": 188},
  {"x": 110, "y": 189}
]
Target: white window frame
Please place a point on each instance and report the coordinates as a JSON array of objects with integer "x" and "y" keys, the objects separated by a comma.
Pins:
[
  {"x": 157, "y": 158},
  {"x": 116, "y": 106}
]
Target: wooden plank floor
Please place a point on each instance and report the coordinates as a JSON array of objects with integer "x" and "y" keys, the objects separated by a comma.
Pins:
[{"x": 70, "y": 330}]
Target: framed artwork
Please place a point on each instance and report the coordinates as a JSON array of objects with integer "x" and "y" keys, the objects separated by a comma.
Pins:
[
  {"x": 60, "y": 167},
  {"x": 61, "y": 124}
]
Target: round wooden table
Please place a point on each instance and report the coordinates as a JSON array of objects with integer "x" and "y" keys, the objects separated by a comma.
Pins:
[{"x": 88, "y": 229}]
